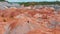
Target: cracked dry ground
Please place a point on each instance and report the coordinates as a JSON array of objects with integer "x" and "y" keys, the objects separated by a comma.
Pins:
[{"x": 30, "y": 21}]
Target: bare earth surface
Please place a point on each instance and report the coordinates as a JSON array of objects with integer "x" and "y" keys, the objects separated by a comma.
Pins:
[{"x": 45, "y": 20}]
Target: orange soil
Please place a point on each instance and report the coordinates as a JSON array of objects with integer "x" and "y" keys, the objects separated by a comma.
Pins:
[{"x": 41, "y": 21}]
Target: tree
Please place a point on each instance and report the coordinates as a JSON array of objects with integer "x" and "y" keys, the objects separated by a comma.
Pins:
[{"x": 2, "y": 0}]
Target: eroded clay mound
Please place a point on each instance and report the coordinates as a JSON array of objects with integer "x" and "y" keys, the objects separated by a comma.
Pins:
[{"x": 44, "y": 20}]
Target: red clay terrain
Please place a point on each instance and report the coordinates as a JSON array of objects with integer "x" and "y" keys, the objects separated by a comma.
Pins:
[{"x": 43, "y": 20}]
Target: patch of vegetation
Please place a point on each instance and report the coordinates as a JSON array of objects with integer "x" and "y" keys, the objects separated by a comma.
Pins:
[
  {"x": 2, "y": 0},
  {"x": 38, "y": 3}
]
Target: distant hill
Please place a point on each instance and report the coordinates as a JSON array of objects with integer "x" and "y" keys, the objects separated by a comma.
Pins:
[{"x": 36, "y": 3}]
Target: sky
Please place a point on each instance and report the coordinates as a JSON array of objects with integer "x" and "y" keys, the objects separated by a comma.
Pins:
[{"x": 30, "y": 0}]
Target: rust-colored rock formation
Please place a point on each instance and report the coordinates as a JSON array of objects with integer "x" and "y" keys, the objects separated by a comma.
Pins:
[{"x": 29, "y": 21}]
